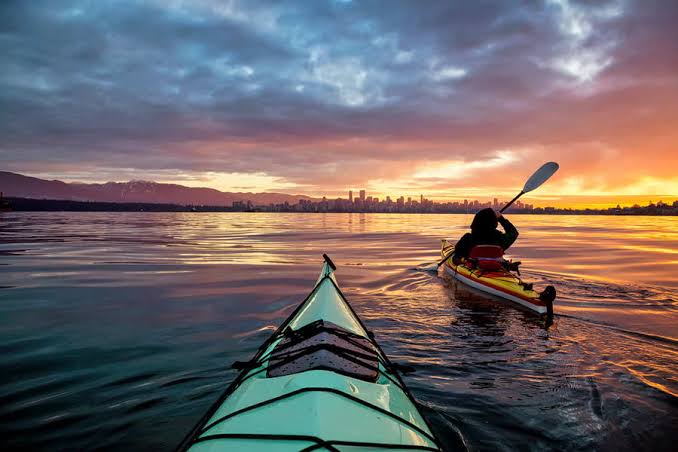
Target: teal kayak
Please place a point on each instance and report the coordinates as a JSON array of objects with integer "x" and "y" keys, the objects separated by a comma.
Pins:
[{"x": 320, "y": 382}]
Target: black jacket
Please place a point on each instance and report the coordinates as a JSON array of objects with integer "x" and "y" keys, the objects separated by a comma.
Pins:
[{"x": 493, "y": 237}]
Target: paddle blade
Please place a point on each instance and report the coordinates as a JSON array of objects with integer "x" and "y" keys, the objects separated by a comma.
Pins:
[
  {"x": 540, "y": 176},
  {"x": 433, "y": 268}
]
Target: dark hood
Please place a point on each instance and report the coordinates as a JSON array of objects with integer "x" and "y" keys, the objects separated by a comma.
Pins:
[{"x": 484, "y": 222}]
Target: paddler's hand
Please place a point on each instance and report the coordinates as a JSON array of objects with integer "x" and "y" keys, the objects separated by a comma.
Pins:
[{"x": 498, "y": 214}]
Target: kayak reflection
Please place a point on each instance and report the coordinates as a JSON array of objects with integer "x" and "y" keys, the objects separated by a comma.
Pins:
[{"x": 486, "y": 311}]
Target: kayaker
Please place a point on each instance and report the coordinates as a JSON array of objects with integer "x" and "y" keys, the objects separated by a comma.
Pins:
[{"x": 484, "y": 232}]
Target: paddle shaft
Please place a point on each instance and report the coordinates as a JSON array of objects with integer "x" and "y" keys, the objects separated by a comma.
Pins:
[{"x": 512, "y": 201}]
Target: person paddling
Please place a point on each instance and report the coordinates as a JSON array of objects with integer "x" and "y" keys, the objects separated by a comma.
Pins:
[
  {"x": 486, "y": 222},
  {"x": 484, "y": 232}
]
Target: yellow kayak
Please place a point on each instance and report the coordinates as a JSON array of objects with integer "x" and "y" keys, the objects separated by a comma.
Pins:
[{"x": 501, "y": 283}]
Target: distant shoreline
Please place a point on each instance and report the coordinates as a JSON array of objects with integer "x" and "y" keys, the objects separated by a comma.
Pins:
[{"x": 57, "y": 205}]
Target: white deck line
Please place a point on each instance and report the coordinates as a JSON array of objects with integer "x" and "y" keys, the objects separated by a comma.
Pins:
[{"x": 532, "y": 307}]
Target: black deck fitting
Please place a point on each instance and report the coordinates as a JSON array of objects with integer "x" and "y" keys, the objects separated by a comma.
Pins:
[{"x": 329, "y": 261}]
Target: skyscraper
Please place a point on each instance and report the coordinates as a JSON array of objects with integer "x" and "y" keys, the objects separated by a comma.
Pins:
[
  {"x": 421, "y": 199},
  {"x": 362, "y": 195},
  {"x": 350, "y": 196}
]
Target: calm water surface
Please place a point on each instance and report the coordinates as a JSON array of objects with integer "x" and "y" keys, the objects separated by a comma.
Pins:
[{"x": 117, "y": 330}]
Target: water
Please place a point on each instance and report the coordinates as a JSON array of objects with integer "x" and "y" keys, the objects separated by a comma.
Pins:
[{"x": 117, "y": 330}]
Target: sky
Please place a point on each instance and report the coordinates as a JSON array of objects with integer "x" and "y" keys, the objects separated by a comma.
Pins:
[{"x": 449, "y": 99}]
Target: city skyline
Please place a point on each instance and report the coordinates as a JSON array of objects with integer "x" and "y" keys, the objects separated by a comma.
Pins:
[
  {"x": 400, "y": 205},
  {"x": 28, "y": 191},
  {"x": 535, "y": 199},
  {"x": 495, "y": 203}
]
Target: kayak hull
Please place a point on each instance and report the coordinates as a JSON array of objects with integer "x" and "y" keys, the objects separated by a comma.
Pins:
[
  {"x": 500, "y": 283},
  {"x": 320, "y": 382}
]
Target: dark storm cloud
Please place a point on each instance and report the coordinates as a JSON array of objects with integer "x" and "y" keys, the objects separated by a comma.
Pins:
[{"x": 300, "y": 89}]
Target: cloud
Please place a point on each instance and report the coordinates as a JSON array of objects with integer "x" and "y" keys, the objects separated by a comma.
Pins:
[{"x": 315, "y": 96}]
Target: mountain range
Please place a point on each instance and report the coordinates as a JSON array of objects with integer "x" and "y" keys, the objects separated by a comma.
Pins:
[{"x": 20, "y": 186}]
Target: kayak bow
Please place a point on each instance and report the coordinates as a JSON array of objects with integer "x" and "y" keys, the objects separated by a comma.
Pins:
[
  {"x": 500, "y": 283},
  {"x": 320, "y": 382}
]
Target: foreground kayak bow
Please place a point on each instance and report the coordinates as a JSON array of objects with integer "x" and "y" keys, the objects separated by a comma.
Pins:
[{"x": 320, "y": 382}]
